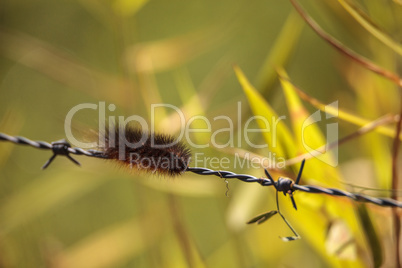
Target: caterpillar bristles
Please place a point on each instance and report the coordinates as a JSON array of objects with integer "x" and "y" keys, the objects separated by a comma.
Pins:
[{"x": 149, "y": 152}]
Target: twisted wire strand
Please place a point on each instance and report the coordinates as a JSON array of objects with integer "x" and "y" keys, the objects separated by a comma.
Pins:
[
  {"x": 49, "y": 146},
  {"x": 385, "y": 202},
  {"x": 22, "y": 140},
  {"x": 291, "y": 186},
  {"x": 229, "y": 175}
]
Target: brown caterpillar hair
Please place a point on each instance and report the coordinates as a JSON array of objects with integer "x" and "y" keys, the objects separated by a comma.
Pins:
[{"x": 149, "y": 152}]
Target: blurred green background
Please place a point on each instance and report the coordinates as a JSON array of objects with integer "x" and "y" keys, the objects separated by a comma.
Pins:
[{"x": 55, "y": 55}]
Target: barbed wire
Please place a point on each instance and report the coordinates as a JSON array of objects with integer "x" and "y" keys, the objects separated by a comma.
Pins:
[{"x": 285, "y": 185}]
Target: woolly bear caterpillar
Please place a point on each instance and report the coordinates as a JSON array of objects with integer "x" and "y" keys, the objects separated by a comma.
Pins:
[{"x": 149, "y": 152}]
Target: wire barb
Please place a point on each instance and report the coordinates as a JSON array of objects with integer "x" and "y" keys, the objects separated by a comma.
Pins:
[
  {"x": 285, "y": 185},
  {"x": 60, "y": 148}
]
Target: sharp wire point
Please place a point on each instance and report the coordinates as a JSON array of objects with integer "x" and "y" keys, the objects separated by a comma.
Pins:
[
  {"x": 270, "y": 178},
  {"x": 268, "y": 175},
  {"x": 293, "y": 201},
  {"x": 73, "y": 160},
  {"x": 300, "y": 171},
  {"x": 48, "y": 162}
]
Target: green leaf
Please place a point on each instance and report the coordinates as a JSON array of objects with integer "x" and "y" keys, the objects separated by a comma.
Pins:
[
  {"x": 279, "y": 138},
  {"x": 370, "y": 27},
  {"x": 308, "y": 135},
  {"x": 342, "y": 114},
  {"x": 281, "y": 51},
  {"x": 371, "y": 235}
]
